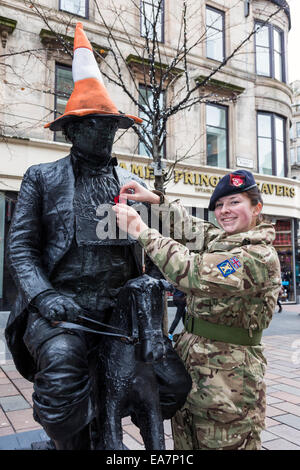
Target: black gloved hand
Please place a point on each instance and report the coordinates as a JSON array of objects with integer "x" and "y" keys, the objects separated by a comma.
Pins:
[{"x": 56, "y": 307}]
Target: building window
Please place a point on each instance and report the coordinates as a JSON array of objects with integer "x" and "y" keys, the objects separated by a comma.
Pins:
[
  {"x": 298, "y": 155},
  {"x": 285, "y": 246},
  {"x": 146, "y": 100},
  {"x": 152, "y": 19},
  {"x": 270, "y": 54},
  {"x": 77, "y": 7},
  {"x": 292, "y": 156},
  {"x": 217, "y": 135},
  {"x": 298, "y": 129},
  {"x": 215, "y": 38},
  {"x": 8, "y": 288},
  {"x": 63, "y": 89},
  {"x": 271, "y": 139}
]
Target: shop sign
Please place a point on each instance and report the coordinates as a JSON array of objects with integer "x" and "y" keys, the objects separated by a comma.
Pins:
[
  {"x": 276, "y": 189},
  {"x": 244, "y": 162},
  {"x": 203, "y": 182}
]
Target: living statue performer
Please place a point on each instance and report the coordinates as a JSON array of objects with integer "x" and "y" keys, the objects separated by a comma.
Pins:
[{"x": 63, "y": 271}]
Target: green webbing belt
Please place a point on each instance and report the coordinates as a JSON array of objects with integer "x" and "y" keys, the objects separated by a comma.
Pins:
[{"x": 226, "y": 334}]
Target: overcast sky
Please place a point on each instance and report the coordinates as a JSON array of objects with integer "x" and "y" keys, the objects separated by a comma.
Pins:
[{"x": 294, "y": 42}]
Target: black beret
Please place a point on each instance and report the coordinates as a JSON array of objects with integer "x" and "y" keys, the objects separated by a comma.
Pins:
[{"x": 237, "y": 182}]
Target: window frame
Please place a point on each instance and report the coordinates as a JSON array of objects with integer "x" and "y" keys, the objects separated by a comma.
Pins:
[
  {"x": 56, "y": 115},
  {"x": 164, "y": 148},
  {"x": 222, "y": 13},
  {"x": 271, "y": 29},
  {"x": 273, "y": 143},
  {"x": 292, "y": 156},
  {"x": 75, "y": 14},
  {"x": 162, "y": 39},
  {"x": 296, "y": 160},
  {"x": 226, "y": 108}
]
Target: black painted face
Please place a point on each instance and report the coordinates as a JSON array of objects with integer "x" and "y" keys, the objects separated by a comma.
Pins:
[{"x": 93, "y": 136}]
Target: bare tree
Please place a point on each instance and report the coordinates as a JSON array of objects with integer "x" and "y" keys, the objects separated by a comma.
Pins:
[
  {"x": 170, "y": 83},
  {"x": 170, "y": 77}
]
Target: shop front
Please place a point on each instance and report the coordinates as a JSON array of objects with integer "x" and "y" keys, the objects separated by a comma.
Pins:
[
  {"x": 285, "y": 247},
  {"x": 194, "y": 186}
]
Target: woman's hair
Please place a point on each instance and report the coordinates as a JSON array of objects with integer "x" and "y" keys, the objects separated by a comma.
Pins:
[{"x": 255, "y": 197}]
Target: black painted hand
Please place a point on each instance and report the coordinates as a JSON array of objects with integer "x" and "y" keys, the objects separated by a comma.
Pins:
[{"x": 56, "y": 307}]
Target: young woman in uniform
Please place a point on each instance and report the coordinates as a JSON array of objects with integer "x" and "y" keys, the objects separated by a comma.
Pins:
[{"x": 231, "y": 277}]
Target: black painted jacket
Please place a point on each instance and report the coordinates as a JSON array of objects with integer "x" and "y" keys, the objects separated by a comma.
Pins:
[{"x": 41, "y": 233}]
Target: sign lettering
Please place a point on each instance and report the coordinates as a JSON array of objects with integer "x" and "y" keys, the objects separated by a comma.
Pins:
[{"x": 203, "y": 182}]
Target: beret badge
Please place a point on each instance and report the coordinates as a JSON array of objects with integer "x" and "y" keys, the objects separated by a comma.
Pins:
[{"x": 237, "y": 180}]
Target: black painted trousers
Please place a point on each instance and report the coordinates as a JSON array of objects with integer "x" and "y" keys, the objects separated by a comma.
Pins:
[
  {"x": 65, "y": 385},
  {"x": 63, "y": 392}
]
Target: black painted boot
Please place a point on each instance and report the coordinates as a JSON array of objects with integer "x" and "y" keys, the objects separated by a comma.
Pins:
[{"x": 78, "y": 441}]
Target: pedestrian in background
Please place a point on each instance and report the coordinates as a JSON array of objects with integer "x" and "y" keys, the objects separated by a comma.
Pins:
[
  {"x": 281, "y": 292},
  {"x": 232, "y": 284},
  {"x": 179, "y": 300}
]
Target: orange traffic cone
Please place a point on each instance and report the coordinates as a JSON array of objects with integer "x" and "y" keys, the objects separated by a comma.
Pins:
[{"x": 89, "y": 95}]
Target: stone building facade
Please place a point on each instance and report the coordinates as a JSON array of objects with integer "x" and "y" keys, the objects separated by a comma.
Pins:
[{"x": 244, "y": 122}]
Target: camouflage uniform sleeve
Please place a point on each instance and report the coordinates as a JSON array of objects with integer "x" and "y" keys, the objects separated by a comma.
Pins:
[
  {"x": 217, "y": 274},
  {"x": 175, "y": 222}
]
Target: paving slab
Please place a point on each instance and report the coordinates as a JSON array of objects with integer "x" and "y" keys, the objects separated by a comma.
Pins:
[
  {"x": 22, "y": 441},
  {"x": 290, "y": 420},
  {"x": 287, "y": 433},
  {"x": 272, "y": 388},
  {"x": 22, "y": 420},
  {"x": 13, "y": 403},
  {"x": 7, "y": 390},
  {"x": 8, "y": 367},
  {"x": 288, "y": 375},
  {"x": 4, "y": 431},
  {"x": 288, "y": 407},
  {"x": 287, "y": 388},
  {"x": 272, "y": 400},
  {"x": 267, "y": 436},
  {"x": 289, "y": 397},
  {"x": 271, "y": 411},
  {"x": 280, "y": 444},
  {"x": 270, "y": 422},
  {"x": 131, "y": 443}
]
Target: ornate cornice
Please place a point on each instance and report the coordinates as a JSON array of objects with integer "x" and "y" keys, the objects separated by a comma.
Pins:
[{"x": 7, "y": 26}]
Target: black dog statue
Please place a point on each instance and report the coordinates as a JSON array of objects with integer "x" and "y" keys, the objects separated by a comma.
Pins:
[{"x": 130, "y": 366}]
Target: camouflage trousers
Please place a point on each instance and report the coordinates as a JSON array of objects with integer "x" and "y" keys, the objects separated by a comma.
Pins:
[
  {"x": 225, "y": 409},
  {"x": 191, "y": 432}
]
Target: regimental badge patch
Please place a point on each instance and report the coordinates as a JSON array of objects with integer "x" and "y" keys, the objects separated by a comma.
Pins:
[
  {"x": 226, "y": 268},
  {"x": 229, "y": 266}
]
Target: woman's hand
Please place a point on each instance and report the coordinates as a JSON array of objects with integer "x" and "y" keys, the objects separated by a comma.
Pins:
[
  {"x": 129, "y": 220},
  {"x": 136, "y": 192}
]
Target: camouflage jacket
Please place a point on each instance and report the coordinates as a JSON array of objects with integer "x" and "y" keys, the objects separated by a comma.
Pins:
[{"x": 232, "y": 280}]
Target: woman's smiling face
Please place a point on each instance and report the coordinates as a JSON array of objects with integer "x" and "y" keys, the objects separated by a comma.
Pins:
[{"x": 235, "y": 214}]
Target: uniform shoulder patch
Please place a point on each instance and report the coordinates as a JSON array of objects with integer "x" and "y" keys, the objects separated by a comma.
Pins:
[
  {"x": 229, "y": 266},
  {"x": 235, "y": 262},
  {"x": 226, "y": 268}
]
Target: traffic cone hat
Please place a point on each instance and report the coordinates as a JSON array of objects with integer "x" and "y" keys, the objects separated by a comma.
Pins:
[{"x": 89, "y": 96}]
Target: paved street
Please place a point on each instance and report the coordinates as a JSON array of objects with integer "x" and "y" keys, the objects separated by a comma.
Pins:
[{"x": 282, "y": 349}]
